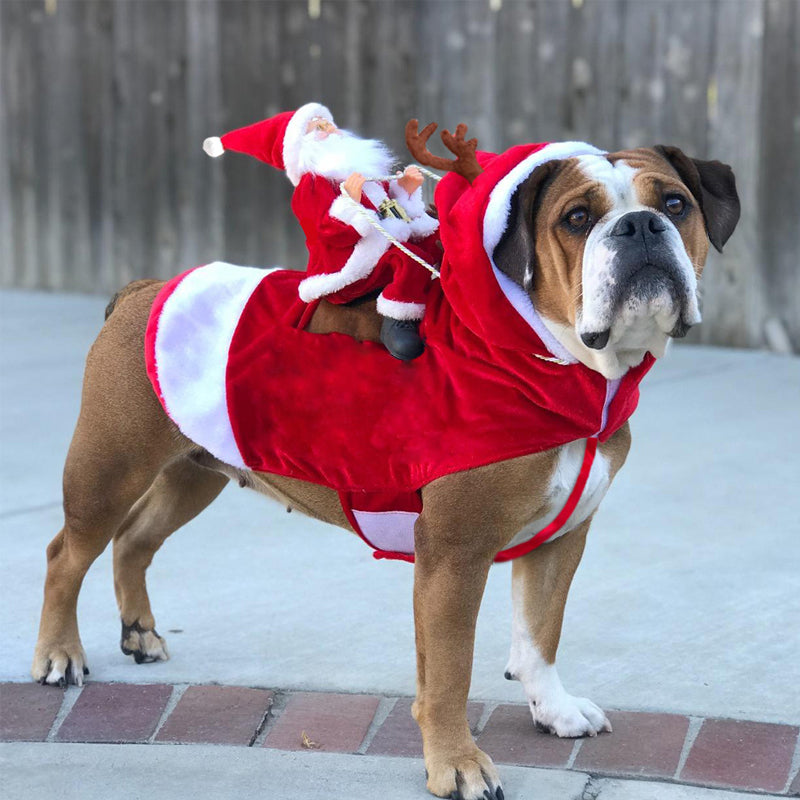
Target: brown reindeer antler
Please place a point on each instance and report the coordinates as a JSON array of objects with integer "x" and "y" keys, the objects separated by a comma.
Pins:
[{"x": 465, "y": 163}]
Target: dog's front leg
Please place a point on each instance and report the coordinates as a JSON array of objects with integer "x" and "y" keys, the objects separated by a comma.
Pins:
[
  {"x": 449, "y": 579},
  {"x": 540, "y": 583}
]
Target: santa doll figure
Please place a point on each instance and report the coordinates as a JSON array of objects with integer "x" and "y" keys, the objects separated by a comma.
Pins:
[{"x": 348, "y": 257}]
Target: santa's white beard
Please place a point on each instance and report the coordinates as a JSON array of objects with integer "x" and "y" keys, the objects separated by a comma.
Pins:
[{"x": 339, "y": 155}]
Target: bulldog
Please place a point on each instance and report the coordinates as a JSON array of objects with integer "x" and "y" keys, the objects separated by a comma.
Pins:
[{"x": 589, "y": 263}]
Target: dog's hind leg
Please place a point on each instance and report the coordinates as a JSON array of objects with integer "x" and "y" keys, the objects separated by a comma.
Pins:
[
  {"x": 121, "y": 442},
  {"x": 177, "y": 495},
  {"x": 540, "y": 583},
  {"x": 99, "y": 489}
]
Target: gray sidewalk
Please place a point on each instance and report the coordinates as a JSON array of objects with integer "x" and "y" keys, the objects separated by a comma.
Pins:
[
  {"x": 97, "y": 772},
  {"x": 687, "y": 599}
]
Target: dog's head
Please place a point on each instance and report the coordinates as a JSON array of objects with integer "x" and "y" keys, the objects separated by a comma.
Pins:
[{"x": 610, "y": 248}]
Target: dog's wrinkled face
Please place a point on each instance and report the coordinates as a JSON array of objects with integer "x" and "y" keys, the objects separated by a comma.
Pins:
[{"x": 611, "y": 246}]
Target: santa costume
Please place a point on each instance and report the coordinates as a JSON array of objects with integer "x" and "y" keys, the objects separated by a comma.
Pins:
[
  {"x": 229, "y": 358},
  {"x": 348, "y": 257}
]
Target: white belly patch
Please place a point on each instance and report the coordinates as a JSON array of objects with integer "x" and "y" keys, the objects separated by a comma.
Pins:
[{"x": 562, "y": 482}]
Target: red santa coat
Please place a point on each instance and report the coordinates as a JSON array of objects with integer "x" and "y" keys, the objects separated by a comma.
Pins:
[
  {"x": 233, "y": 367},
  {"x": 347, "y": 256}
]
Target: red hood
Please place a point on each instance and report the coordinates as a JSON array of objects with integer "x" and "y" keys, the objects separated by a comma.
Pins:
[{"x": 472, "y": 219}]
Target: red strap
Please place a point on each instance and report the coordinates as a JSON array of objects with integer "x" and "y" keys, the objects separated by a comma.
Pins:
[
  {"x": 391, "y": 555},
  {"x": 518, "y": 550},
  {"x": 548, "y": 531}
]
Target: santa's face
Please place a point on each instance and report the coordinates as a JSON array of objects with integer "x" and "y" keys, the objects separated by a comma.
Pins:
[{"x": 321, "y": 128}]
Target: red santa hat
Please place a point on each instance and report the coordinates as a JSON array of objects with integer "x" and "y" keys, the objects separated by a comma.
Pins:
[
  {"x": 472, "y": 220},
  {"x": 277, "y": 141}
]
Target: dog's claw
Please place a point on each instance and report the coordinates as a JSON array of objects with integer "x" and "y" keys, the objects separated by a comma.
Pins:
[
  {"x": 86, "y": 670},
  {"x": 499, "y": 793}
]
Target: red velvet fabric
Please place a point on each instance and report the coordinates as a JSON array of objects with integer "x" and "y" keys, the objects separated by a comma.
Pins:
[
  {"x": 263, "y": 140},
  {"x": 346, "y": 414},
  {"x": 331, "y": 242}
]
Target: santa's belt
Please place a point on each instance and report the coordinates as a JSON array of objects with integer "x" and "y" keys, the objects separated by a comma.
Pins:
[{"x": 391, "y": 208}]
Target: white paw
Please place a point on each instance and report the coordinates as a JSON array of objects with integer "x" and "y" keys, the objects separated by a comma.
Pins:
[{"x": 569, "y": 716}]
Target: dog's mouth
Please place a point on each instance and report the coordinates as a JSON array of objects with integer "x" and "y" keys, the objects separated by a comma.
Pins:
[{"x": 647, "y": 295}]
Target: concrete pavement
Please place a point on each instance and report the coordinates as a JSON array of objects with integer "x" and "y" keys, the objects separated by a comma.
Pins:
[
  {"x": 97, "y": 772},
  {"x": 687, "y": 599}
]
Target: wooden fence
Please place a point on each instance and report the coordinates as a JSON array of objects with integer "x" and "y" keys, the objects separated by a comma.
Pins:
[{"x": 105, "y": 104}]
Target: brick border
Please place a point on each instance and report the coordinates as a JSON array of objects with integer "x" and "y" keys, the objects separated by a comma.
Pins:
[{"x": 721, "y": 753}]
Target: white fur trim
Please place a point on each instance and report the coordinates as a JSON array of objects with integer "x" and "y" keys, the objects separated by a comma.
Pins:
[
  {"x": 412, "y": 203},
  {"x": 293, "y": 138},
  {"x": 423, "y": 226},
  {"x": 193, "y": 337},
  {"x": 345, "y": 211},
  {"x": 396, "y": 309},
  {"x": 611, "y": 392},
  {"x": 375, "y": 192},
  {"x": 388, "y": 530},
  {"x": 362, "y": 261},
  {"x": 495, "y": 222},
  {"x": 417, "y": 228},
  {"x": 213, "y": 146}
]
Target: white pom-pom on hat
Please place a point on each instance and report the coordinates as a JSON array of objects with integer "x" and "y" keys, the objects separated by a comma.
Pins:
[{"x": 213, "y": 146}]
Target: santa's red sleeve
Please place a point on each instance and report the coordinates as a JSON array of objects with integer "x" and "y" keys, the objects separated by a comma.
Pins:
[
  {"x": 342, "y": 245},
  {"x": 326, "y": 215}
]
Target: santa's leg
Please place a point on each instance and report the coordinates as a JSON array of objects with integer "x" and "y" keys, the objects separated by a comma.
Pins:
[{"x": 402, "y": 305}]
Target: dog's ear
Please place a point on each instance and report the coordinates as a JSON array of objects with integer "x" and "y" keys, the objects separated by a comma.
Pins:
[
  {"x": 515, "y": 254},
  {"x": 714, "y": 187}
]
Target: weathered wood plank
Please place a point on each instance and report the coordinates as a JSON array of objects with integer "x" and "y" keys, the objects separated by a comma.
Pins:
[
  {"x": 779, "y": 196},
  {"x": 6, "y": 206},
  {"x": 97, "y": 103},
  {"x": 733, "y": 283},
  {"x": 105, "y": 104}
]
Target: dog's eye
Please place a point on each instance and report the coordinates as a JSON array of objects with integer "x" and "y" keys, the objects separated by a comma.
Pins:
[
  {"x": 577, "y": 219},
  {"x": 674, "y": 204}
]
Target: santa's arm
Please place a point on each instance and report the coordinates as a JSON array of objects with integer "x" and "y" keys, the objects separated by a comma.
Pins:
[{"x": 338, "y": 221}]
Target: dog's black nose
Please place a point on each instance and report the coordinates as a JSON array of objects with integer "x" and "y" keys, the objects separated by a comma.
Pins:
[
  {"x": 597, "y": 341},
  {"x": 639, "y": 223}
]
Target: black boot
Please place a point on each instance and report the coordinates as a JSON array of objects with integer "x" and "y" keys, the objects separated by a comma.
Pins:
[{"x": 401, "y": 338}]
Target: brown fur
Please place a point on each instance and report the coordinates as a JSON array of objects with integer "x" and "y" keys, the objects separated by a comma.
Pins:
[
  {"x": 131, "y": 476},
  {"x": 559, "y": 255},
  {"x": 358, "y": 320}
]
